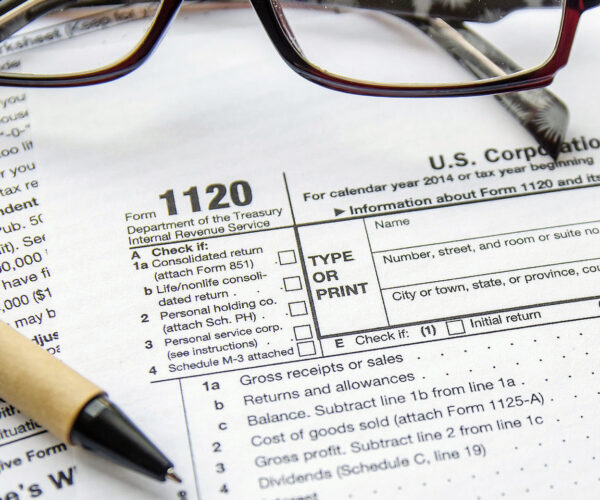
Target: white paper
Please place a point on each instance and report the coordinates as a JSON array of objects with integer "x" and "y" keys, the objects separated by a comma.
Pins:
[{"x": 433, "y": 337}]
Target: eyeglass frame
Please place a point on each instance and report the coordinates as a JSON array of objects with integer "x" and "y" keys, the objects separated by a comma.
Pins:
[{"x": 267, "y": 12}]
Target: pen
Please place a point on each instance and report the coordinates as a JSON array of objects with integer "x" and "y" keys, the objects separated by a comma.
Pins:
[{"x": 73, "y": 408}]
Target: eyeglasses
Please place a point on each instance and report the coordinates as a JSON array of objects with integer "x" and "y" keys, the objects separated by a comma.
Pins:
[{"x": 369, "y": 47}]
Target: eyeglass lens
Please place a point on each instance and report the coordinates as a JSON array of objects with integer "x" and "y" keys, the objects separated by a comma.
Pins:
[
  {"x": 37, "y": 39},
  {"x": 383, "y": 40}
]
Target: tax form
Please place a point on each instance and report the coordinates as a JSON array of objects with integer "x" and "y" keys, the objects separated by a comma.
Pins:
[{"x": 300, "y": 294}]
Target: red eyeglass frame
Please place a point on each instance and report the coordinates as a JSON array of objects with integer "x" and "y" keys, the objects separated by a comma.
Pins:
[{"x": 269, "y": 14}]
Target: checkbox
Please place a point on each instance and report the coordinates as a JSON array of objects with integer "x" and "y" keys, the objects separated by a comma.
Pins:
[
  {"x": 306, "y": 348},
  {"x": 455, "y": 327},
  {"x": 303, "y": 332},
  {"x": 287, "y": 257},
  {"x": 292, "y": 283},
  {"x": 298, "y": 308}
]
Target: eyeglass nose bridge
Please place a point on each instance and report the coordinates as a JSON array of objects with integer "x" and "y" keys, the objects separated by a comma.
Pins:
[
  {"x": 572, "y": 12},
  {"x": 285, "y": 26}
]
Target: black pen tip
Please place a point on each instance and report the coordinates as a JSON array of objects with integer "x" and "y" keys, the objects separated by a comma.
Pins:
[
  {"x": 172, "y": 476},
  {"x": 102, "y": 428}
]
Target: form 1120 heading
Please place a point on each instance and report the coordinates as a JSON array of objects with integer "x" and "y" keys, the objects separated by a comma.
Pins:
[{"x": 238, "y": 193}]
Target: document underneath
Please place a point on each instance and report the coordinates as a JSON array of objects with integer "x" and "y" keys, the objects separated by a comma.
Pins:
[{"x": 300, "y": 294}]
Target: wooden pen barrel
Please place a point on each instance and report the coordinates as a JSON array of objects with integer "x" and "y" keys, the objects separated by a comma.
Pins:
[{"x": 41, "y": 386}]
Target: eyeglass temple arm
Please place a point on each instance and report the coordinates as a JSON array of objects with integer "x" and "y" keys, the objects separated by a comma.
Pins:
[
  {"x": 461, "y": 10},
  {"x": 543, "y": 114},
  {"x": 14, "y": 15}
]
